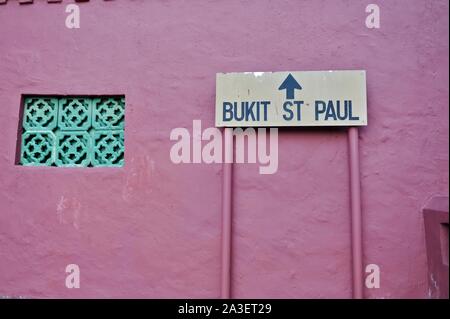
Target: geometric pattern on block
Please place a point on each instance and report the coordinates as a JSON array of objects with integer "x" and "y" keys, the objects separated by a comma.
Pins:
[
  {"x": 73, "y": 131},
  {"x": 108, "y": 113},
  {"x": 108, "y": 148},
  {"x": 38, "y": 148},
  {"x": 40, "y": 113},
  {"x": 73, "y": 149},
  {"x": 74, "y": 114}
]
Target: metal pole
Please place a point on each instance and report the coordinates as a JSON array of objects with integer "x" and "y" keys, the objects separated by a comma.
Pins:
[
  {"x": 356, "y": 215},
  {"x": 226, "y": 214}
]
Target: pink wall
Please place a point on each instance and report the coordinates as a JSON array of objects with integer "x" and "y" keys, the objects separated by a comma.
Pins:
[{"x": 152, "y": 228}]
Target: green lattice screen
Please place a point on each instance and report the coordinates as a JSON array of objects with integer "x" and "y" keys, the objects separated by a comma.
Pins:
[{"x": 73, "y": 131}]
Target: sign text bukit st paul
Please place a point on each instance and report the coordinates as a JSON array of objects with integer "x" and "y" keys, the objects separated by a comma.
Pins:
[
  {"x": 314, "y": 98},
  {"x": 275, "y": 99}
]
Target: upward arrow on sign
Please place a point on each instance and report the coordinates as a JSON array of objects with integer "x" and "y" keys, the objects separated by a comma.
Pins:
[{"x": 290, "y": 84}]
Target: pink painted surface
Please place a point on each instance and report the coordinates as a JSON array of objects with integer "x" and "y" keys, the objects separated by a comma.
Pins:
[{"x": 152, "y": 228}]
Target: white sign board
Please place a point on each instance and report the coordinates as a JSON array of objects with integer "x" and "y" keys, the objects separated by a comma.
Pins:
[{"x": 275, "y": 99}]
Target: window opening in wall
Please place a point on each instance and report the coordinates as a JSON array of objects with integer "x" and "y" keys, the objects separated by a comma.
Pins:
[{"x": 72, "y": 131}]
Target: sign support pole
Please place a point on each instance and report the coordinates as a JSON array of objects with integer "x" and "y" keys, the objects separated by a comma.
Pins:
[
  {"x": 227, "y": 189},
  {"x": 356, "y": 215}
]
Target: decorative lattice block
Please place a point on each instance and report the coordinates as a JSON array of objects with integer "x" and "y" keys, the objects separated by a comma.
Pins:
[
  {"x": 40, "y": 113},
  {"x": 74, "y": 114},
  {"x": 108, "y": 148},
  {"x": 73, "y": 149},
  {"x": 73, "y": 131},
  {"x": 108, "y": 113},
  {"x": 38, "y": 148}
]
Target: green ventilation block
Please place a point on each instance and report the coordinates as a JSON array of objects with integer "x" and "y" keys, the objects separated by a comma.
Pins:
[
  {"x": 108, "y": 113},
  {"x": 108, "y": 148},
  {"x": 74, "y": 114},
  {"x": 38, "y": 148},
  {"x": 40, "y": 113},
  {"x": 73, "y": 131},
  {"x": 73, "y": 149}
]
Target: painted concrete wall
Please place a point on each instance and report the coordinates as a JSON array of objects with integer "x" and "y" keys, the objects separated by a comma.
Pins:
[{"x": 152, "y": 228}]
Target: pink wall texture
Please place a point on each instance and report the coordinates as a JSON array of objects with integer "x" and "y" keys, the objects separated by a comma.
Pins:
[{"x": 152, "y": 228}]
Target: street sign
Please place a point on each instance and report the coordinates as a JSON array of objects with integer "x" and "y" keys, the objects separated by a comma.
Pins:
[{"x": 275, "y": 99}]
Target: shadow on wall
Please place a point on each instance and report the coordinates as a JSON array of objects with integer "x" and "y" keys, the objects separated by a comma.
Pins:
[{"x": 435, "y": 214}]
